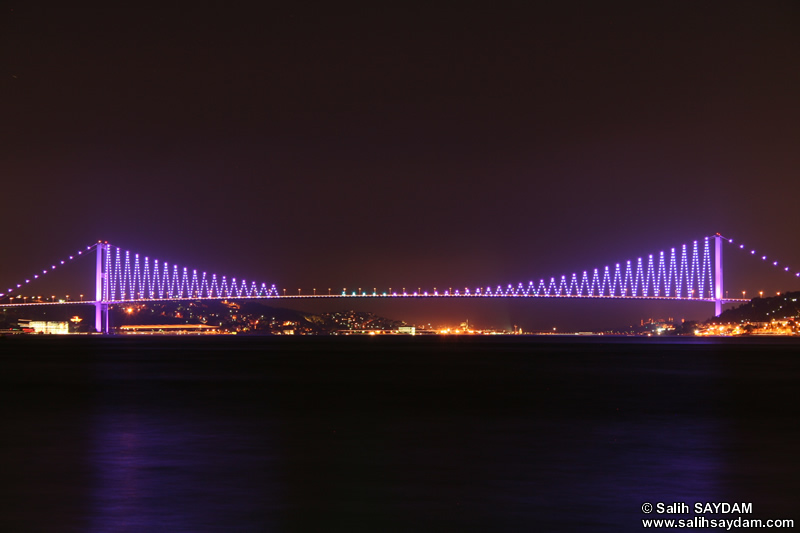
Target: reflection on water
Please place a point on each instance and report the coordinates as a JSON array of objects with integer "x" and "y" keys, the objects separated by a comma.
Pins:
[
  {"x": 168, "y": 471},
  {"x": 475, "y": 435}
]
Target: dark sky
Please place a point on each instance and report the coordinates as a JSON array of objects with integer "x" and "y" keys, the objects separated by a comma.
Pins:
[{"x": 408, "y": 146}]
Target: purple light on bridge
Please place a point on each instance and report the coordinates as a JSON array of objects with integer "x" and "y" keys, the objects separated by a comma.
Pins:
[{"x": 684, "y": 276}]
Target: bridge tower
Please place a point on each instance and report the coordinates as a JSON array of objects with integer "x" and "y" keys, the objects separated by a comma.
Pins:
[
  {"x": 718, "y": 293},
  {"x": 100, "y": 307}
]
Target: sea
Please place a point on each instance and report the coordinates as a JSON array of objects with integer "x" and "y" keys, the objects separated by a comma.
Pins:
[{"x": 393, "y": 434}]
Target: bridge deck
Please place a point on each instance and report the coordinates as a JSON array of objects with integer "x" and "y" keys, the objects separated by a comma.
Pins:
[{"x": 385, "y": 297}]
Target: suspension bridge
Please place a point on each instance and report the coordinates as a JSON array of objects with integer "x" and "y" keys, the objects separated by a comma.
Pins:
[{"x": 688, "y": 272}]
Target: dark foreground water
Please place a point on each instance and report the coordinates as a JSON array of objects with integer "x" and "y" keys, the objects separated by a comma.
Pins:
[{"x": 390, "y": 434}]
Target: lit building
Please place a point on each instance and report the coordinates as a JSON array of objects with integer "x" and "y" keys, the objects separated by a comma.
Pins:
[{"x": 46, "y": 327}]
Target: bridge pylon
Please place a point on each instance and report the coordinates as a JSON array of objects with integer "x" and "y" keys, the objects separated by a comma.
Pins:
[
  {"x": 101, "y": 278},
  {"x": 718, "y": 292}
]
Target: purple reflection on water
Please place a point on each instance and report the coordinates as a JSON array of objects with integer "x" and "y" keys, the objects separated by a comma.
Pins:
[
  {"x": 402, "y": 435},
  {"x": 181, "y": 471}
]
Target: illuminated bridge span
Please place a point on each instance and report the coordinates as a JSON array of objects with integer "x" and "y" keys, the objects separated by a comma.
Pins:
[
  {"x": 672, "y": 276},
  {"x": 687, "y": 272},
  {"x": 128, "y": 277}
]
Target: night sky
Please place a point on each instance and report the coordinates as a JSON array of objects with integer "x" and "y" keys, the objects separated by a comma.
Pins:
[{"x": 404, "y": 147}]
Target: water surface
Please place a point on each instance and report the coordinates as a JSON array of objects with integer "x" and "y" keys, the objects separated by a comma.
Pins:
[{"x": 390, "y": 434}]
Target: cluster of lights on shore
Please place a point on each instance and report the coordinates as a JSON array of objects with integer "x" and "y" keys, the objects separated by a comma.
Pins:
[{"x": 673, "y": 275}]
